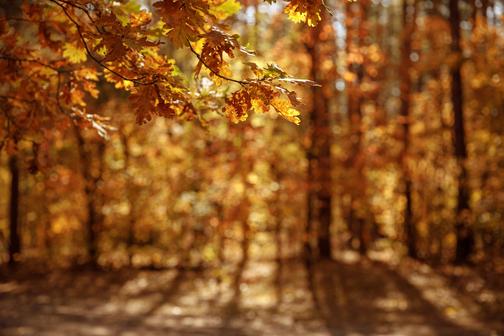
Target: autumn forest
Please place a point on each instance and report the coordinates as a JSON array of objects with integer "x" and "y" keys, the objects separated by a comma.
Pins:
[{"x": 251, "y": 167}]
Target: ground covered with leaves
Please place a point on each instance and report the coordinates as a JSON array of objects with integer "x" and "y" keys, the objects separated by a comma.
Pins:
[{"x": 349, "y": 296}]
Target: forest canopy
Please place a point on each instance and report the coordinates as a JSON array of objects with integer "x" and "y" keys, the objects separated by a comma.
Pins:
[{"x": 64, "y": 48}]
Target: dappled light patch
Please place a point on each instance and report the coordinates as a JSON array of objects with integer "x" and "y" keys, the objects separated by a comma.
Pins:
[{"x": 359, "y": 297}]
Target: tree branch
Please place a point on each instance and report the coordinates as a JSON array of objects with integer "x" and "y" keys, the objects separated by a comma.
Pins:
[
  {"x": 29, "y": 60},
  {"x": 93, "y": 57},
  {"x": 241, "y": 82}
]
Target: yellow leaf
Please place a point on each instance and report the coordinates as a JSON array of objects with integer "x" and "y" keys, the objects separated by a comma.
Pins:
[
  {"x": 285, "y": 109},
  {"x": 232, "y": 114},
  {"x": 74, "y": 53},
  {"x": 258, "y": 106},
  {"x": 225, "y": 9},
  {"x": 238, "y": 105},
  {"x": 307, "y": 11}
]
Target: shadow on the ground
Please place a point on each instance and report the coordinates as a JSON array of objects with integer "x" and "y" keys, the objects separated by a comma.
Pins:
[
  {"x": 369, "y": 298},
  {"x": 282, "y": 297},
  {"x": 91, "y": 302}
]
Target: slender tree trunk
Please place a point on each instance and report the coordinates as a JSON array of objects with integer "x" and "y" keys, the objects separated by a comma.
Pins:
[
  {"x": 91, "y": 180},
  {"x": 277, "y": 214},
  {"x": 356, "y": 223},
  {"x": 320, "y": 151},
  {"x": 278, "y": 230},
  {"x": 245, "y": 227},
  {"x": 307, "y": 241},
  {"x": 47, "y": 241},
  {"x": 92, "y": 247},
  {"x": 245, "y": 166},
  {"x": 408, "y": 30},
  {"x": 221, "y": 230},
  {"x": 310, "y": 177},
  {"x": 351, "y": 103},
  {"x": 244, "y": 211},
  {"x": 484, "y": 7},
  {"x": 91, "y": 215},
  {"x": 463, "y": 231},
  {"x": 14, "y": 239},
  {"x": 130, "y": 239}
]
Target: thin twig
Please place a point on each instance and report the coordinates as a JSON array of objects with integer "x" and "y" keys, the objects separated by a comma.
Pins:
[
  {"x": 328, "y": 9},
  {"x": 29, "y": 60},
  {"x": 96, "y": 60},
  {"x": 18, "y": 99},
  {"x": 81, "y": 8},
  {"x": 20, "y": 19},
  {"x": 241, "y": 82}
]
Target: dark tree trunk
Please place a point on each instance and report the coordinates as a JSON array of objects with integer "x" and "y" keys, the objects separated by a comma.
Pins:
[
  {"x": 91, "y": 215},
  {"x": 221, "y": 230},
  {"x": 91, "y": 228},
  {"x": 14, "y": 239},
  {"x": 320, "y": 193},
  {"x": 356, "y": 30},
  {"x": 307, "y": 247},
  {"x": 351, "y": 112},
  {"x": 91, "y": 178},
  {"x": 463, "y": 231},
  {"x": 277, "y": 213},
  {"x": 11, "y": 9},
  {"x": 130, "y": 239},
  {"x": 246, "y": 166},
  {"x": 409, "y": 224},
  {"x": 408, "y": 30}
]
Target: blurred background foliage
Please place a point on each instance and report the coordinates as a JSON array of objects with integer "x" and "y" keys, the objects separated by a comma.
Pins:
[{"x": 200, "y": 193}]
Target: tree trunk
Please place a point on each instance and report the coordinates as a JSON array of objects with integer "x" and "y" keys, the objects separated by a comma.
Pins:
[
  {"x": 91, "y": 179},
  {"x": 91, "y": 216},
  {"x": 357, "y": 191},
  {"x": 408, "y": 30},
  {"x": 130, "y": 239},
  {"x": 320, "y": 151},
  {"x": 464, "y": 233},
  {"x": 14, "y": 239},
  {"x": 277, "y": 213},
  {"x": 307, "y": 241},
  {"x": 221, "y": 231}
]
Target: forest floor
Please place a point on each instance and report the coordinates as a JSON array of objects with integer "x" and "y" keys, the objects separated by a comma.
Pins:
[{"x": 333, "y": 298}]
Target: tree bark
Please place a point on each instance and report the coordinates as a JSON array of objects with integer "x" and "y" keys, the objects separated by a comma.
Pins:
[
  {"x": 319, "y": 163},
  {"x": 14, "y": 239},
  {"x": 130, "y": 239},
  {"x": 91, "y": 179},
  {"x": 464, "y": 233},
  {"x": 307, "y": 240},
  {"x": 408, "y": 30},
  {"x": 355, "y": 34}
]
